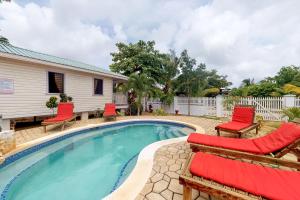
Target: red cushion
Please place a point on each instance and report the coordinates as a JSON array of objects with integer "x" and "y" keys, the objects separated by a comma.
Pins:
[
  {"x": 234, "y": 126},
  {"x": 286, "y": 134},
  {"x": 243, "y": 114},
  {"x": 57, "y": 119},
  {"x": 239, "y": 144},
  {"x": 255, "y": 179},
  {"x": 64, "y": 112},
  {"x": 109, "y": 110}
]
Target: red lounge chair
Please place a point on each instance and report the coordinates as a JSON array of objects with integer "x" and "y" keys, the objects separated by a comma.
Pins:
[
  {"x": 232, "y": 179},
  {"x": 242, "y": 121},
  {"x": 279, "y": 142},
  {"x": 110, "y": 111},
  {"x": 64, "y": 115}
]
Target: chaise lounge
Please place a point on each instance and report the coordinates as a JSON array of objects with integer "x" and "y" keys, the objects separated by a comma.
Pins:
[
  {"x": 224, "y": 178},
  {"x": 242, "y": 121},
  {"x": 64, "y": 115},
  {"x": 285, "y": 139},
  {"x": 110, "y": 111}
]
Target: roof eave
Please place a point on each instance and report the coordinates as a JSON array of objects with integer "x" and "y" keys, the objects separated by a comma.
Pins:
[{"x": 42, "y": 62}]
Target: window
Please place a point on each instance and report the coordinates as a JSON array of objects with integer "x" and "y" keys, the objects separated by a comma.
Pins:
[
  {"x": 98, "y": 86},
  {"x": 55, "y": 82}
]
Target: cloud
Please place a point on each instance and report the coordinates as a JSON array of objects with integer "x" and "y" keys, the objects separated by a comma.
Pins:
[{"x": 239, "y": 38}]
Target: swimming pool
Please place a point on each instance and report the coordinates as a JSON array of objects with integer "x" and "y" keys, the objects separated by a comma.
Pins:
[{"x": 88, "y": 165}]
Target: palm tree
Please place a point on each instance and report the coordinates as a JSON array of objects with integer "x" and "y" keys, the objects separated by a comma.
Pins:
[{"x": 142, "y": 85}]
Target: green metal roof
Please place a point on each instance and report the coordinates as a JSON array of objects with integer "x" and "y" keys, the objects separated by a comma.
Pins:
[{"x": 10, "y": 49}]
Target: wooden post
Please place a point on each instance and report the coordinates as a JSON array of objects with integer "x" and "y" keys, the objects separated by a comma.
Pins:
[{"x": 187, "y": 192}]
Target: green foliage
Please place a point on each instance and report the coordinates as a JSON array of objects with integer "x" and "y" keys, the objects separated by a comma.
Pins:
[
  {"x": 211, "y": 92},
  {"x": 65, "y": 98},
  {"x": 160, "y": 112},
  {"x": 171, "y": 75},
  {"x": 142, "y": 86},
  {"x": 286, "y": 75},
  {"x": 4, "y": 40},
  {"x": 286, "y": 81},
  {"x": 262, "y": 90},
  {"x": 291, "y": 89},
  {"x": 291, "y": 113},
  {"x": 230, "y": 101},
  {"x": 138, "y": 58},
  {"x": 52, "y": 103},
  {"x": 135, "y": 109},
  {"x": 194, "y": 79}
]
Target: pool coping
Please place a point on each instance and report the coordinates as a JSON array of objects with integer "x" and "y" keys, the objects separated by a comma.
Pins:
[
  {"x": 129, "y": 189},
  {"x": 137, "y": 179}
]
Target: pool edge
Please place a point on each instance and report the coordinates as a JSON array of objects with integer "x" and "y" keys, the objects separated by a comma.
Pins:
[
  {"x": 142, "y": 170},
  {"x": 129, "y": 189}
]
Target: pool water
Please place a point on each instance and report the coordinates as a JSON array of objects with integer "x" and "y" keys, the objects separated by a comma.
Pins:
[{"x": 86, "y": 166}]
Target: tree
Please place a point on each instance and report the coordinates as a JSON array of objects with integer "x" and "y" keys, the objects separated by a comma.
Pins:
[
  {"x": 142, "y": 87},
  {"x": 140, "y": 58},
  {"x": 247, "y": 82},
  {"x": 192, "y": 78},
  {"x": 286, "y": 75},
  {"x": 170, "y": 64},
  {"x": 217, "y": 81}
]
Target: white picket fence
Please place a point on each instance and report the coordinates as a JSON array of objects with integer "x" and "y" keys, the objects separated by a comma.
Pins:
[
  {"x": 270, "y": 108},
  {"x": 198, "y": 106}
]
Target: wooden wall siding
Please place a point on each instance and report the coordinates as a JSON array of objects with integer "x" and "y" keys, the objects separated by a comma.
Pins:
[{"x": 31, "y": 90}]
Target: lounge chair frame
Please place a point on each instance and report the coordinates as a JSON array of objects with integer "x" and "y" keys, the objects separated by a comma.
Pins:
[
  {"x": 242, "y": 131},
  {"x": 63, "y": 123},
  {"x": 114, "y": 117},
  {"x": 215, "y": 189},
  {"x": 271, "y": 158}
]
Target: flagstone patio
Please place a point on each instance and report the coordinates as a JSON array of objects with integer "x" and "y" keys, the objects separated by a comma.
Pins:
[{"x": 169, "y": 160}]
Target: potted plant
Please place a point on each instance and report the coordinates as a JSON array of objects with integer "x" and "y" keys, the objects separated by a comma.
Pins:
[{"x": 52, "y": 104}]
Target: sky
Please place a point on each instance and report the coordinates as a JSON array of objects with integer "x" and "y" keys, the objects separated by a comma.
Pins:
[{"x": 239, "y": 38}]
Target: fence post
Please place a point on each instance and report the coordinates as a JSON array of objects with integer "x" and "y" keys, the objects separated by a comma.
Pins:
[
  {"x": 219, "y": 105},
  {"x": 289, "y": 100},
  {"x": 175, "y": 104}
]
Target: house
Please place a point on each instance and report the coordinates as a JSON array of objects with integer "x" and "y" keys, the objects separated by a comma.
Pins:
[{"x": 28, "y": 79}]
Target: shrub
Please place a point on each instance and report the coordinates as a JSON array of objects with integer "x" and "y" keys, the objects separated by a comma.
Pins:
[
  {"x": 291, "y": 113},
  {"x": 52, "y": 104},
  {"x": 65, "y": 98},
  {"x": 160, "y": 112},
  {"x": 291, "y": 89},
  {"x": 132, "y": 110},
  {"x": 211, "y": 92}
]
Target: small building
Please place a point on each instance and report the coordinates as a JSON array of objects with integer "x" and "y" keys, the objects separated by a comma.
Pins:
[{"x": 28, "y": 79}]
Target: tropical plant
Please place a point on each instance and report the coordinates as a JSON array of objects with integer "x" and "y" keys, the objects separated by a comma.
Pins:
[
  {"x": 4, "y": 40},
  {"x": 65, "y": 98},
  {"x": 52, "y": 104},
  {"x": 142, "y": 86},
  {"x": 291, "y": 113}
]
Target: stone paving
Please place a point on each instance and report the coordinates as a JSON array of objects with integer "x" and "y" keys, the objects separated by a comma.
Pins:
[
  {"x": 29, "y": 134},
  {"x": 169, "y": 160},
  {"x": 163, "y": 183}
]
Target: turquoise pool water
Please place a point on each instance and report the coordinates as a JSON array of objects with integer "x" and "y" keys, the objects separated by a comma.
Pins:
[{"x": 87, "y": 166}]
